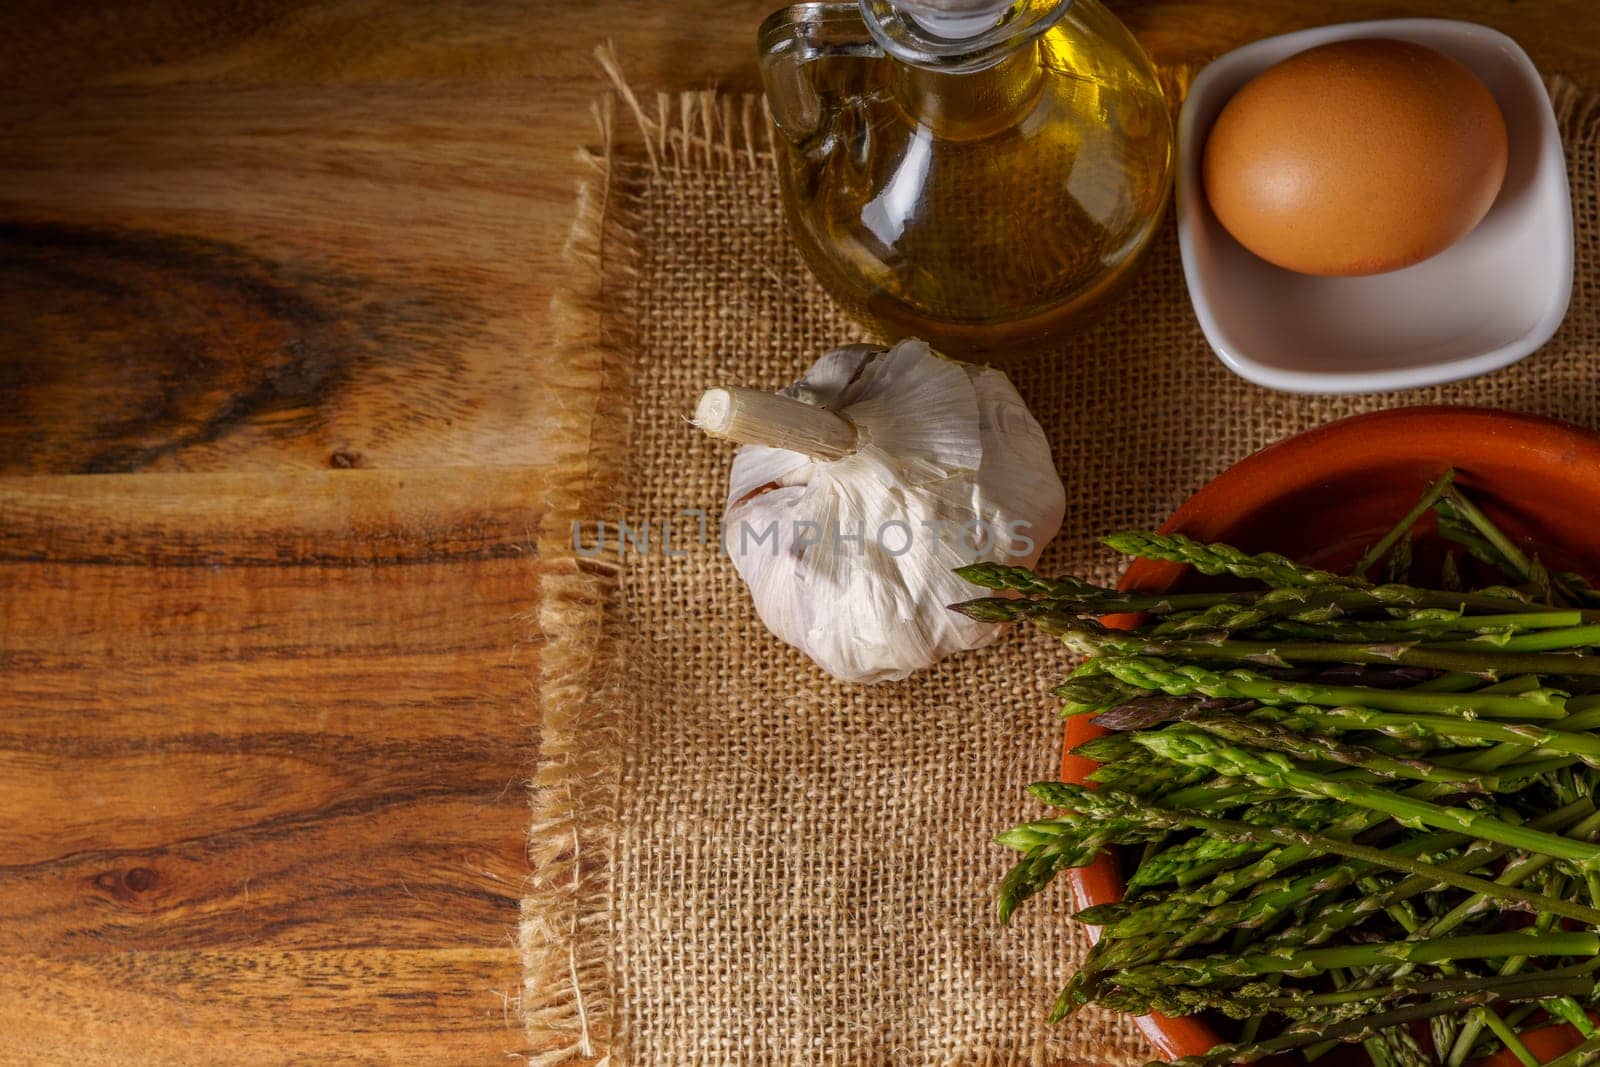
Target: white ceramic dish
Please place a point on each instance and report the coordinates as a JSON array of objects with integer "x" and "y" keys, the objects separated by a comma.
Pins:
[{"x": 1484, "y": 303}]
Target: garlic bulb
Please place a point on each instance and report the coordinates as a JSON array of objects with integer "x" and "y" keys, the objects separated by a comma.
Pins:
[{"x": 862, "y": 486}]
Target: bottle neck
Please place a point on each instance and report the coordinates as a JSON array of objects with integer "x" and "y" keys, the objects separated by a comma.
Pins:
[{"x": 968, "y": 105}]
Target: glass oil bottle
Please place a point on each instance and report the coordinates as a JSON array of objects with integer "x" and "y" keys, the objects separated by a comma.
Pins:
[{"x": 975, "y": 173}]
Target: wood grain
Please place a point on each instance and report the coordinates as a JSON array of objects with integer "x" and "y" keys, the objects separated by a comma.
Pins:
[
  {"x": 267, "y": 803},
  {"x": 312, "y": 517},
  {"x": 242, "y": 279},
  {"x": 248, "y": 1006},
  {"x": 273, "y": 288}
]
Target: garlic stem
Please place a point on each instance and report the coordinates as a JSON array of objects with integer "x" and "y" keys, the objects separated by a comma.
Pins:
[{"x": 752, "y": 417}]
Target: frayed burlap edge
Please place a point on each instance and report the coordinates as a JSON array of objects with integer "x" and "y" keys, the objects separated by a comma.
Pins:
[
  {"x": 565, "y": 939},
  {"x": 697, "y": 130}
]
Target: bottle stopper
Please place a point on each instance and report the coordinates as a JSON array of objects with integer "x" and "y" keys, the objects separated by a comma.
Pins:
[{"x": 954, "y": 20}]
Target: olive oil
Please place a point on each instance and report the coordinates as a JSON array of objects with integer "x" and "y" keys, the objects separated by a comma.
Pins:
[{"x": 980, "y": 209}]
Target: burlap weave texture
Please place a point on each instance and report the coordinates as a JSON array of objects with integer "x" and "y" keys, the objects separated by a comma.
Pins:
[{"x": 739, "y": 860}]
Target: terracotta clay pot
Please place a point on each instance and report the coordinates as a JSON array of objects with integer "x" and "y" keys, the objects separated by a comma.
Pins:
[{"x": 1322, "y": 497}]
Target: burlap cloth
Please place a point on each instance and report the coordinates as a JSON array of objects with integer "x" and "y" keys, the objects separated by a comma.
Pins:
[{"x": 737, "y": 859}]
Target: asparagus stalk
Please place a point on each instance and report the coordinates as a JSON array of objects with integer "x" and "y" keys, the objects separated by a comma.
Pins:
[
  {"x": 1303, "y": 603},
  {"x": 1196, "y": 858},
  {"x": 1350, "y": 912},
  {"x": 1021, "y": 580},
  {"x": 1217, "y": 559},
  {"x": 1088, "y": 639},
  {"x": 1514, "y": 874},
  {"x": 1512, "y": 632},
  {"x": 1456, "y": 730},
  {"x": 1510, "y": 558},
  {"x": 1312, "y": 748},
  {"x": 1583, "y": 593},
  {"x": 1397, "y": 568},
  {"x": 1296, "y": 1037},
  {"x": 1403, "y": 527},
  {"x": 1175, "y": 912},
  {"x": 1246, "y": 1003},
  {"x": 1256, "y": 997},
  {"x": 1189, "y": 747},
  {"x": 1584, "y": 1055},
  {"x": 1008, "y": 609},
  {"x": 1256, "y": 913},
  {"x": 1572, "y": 1013},
  {"x": 1542, "y": 641},
  {"x": 1107, "y": 805},
  {"x": 1302, "y": 962},
  {"x": 1507, "y": 1038},
  {"x": 1485, "y": 1017},
  {"x": 1153, "y": 933},
  {"x": 1190, "y": 680},
  {"x": 1268, "y": 865}
]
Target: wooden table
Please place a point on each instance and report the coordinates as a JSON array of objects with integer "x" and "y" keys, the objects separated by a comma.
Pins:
[{"x": 273, "y": 288}]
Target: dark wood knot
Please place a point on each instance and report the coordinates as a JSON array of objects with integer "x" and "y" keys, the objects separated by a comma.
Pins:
[{"x": 128, "y": 885}]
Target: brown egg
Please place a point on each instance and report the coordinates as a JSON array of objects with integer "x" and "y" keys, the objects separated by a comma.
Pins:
[{"x": 1356, "y": 157}]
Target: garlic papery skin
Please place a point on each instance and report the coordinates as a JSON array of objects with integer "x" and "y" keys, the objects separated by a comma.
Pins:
[{"x": 860, "y": 488}]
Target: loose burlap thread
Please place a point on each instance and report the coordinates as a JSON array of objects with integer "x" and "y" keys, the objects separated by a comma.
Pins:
[{"x": 737, "y": 859}]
